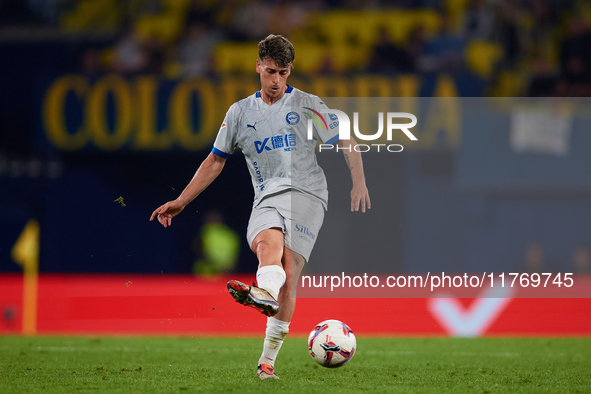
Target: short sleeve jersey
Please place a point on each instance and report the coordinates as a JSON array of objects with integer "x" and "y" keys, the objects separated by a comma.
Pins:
[{"x": 274, "y": 141}]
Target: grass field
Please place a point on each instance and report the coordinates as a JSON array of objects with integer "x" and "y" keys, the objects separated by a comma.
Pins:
[{"x": 425, "y": 365}]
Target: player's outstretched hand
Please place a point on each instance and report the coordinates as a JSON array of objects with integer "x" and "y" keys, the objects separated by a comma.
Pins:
[
  {"x": 166, "y": 212},
  {"x": 360, "y": 196}
]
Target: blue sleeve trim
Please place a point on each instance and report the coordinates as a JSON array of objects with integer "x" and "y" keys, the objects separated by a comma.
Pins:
[
  {"x": 333, "y": 140},
  {"x": 219, "y": 153}
]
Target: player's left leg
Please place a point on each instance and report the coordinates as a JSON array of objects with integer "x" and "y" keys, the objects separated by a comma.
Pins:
[
  {"x": 293, "y": 263},
  {"x": 278, "y": 326}
]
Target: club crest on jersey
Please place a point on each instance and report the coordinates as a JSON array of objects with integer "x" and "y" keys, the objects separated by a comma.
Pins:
[{"x": 292, "y": 118}]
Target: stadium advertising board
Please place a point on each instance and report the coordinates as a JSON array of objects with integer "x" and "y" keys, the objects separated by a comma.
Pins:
[
  {"x": 148, "y": 113},
  {"x": 188, "y": 305}
]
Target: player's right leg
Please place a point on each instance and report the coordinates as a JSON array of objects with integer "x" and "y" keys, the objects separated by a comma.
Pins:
[{"x": 268, "y": 246}]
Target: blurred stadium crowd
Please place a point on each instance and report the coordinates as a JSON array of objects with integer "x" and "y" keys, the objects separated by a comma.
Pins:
[{"x": 519, "y": 47}]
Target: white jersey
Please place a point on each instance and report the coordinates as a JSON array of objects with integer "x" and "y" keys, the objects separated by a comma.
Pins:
[{"x": 274, "y": 141}]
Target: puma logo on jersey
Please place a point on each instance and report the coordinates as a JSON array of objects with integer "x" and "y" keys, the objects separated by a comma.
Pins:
[{"x": 252, "y": 125}]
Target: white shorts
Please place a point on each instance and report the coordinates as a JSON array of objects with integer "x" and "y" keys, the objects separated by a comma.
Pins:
[{"x": 299, "y": 216}]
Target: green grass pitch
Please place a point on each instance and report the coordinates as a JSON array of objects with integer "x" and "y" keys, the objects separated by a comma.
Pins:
[{"x": 403, "y": 365}]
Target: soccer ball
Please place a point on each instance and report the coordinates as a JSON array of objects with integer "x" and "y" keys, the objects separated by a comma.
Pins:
[{"x": 332, "y": 343}]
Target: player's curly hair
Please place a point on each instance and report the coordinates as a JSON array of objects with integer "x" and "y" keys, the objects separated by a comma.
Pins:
[{"x": 277, "y": 48}]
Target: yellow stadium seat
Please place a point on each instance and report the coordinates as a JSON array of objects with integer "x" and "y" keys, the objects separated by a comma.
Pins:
[
  {"x": 366, "y": 26},
  {"x": 334, "y": 26},
  {"x": 341, "y": 57},
  {"x": 585, "y": 12},
  {"x": 399, "y": 24},
  {"x": 350, "y": 36},
  {"x": 236, "y": 57},
  {"x": 176, "y": 6},
  {"x": 94, "y": 15},
  {"x": 165, "y": 27},
  {"x": 359, "y": 56},
  {"x": 309, "y": 56},
  {"x": 509, "y": 84},
  {"x": 172, "y": 70},
  {"x": 354, "y": 28},
  {"x": 455, "y": 9},
  {"x": 482, "y": 56},
  {"x": 107, "y": 58},
  {"x": 429, "y": 19}
]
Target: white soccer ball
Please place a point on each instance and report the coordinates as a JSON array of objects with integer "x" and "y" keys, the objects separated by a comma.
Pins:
[{"x": 332, "y": 343}]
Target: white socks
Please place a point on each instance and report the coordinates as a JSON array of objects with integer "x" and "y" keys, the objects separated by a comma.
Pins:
[
  {"x": 271, "y": 278},
  {"x": 274, "y": 336}
]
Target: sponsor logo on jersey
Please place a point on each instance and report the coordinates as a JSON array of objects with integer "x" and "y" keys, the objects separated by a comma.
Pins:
[
  {"x": 258, "y": 176},
  {"x": 292, "y": 118},
  {"x": 261, "y": 145},
  {"x": 304, "y": 230},
  {"x": 286, "y": 142}
]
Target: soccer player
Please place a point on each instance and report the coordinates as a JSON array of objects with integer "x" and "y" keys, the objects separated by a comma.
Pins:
[{"x": 291, "y": 195}]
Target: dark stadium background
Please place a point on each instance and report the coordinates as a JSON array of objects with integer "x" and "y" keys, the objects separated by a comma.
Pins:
[{"x": 449, "y": 209}]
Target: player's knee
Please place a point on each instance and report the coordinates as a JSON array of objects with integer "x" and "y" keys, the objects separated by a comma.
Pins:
[
  {"x": 262, "y": 246},
  {"x": 266, "y": 246}
]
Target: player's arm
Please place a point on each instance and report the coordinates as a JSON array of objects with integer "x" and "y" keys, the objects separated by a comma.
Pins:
[
  {"x": 359, "y": 192},
  {"x": 206, "y": 173}
]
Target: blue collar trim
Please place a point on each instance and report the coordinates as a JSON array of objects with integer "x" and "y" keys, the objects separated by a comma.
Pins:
[{"x": 289, "y": 89}]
